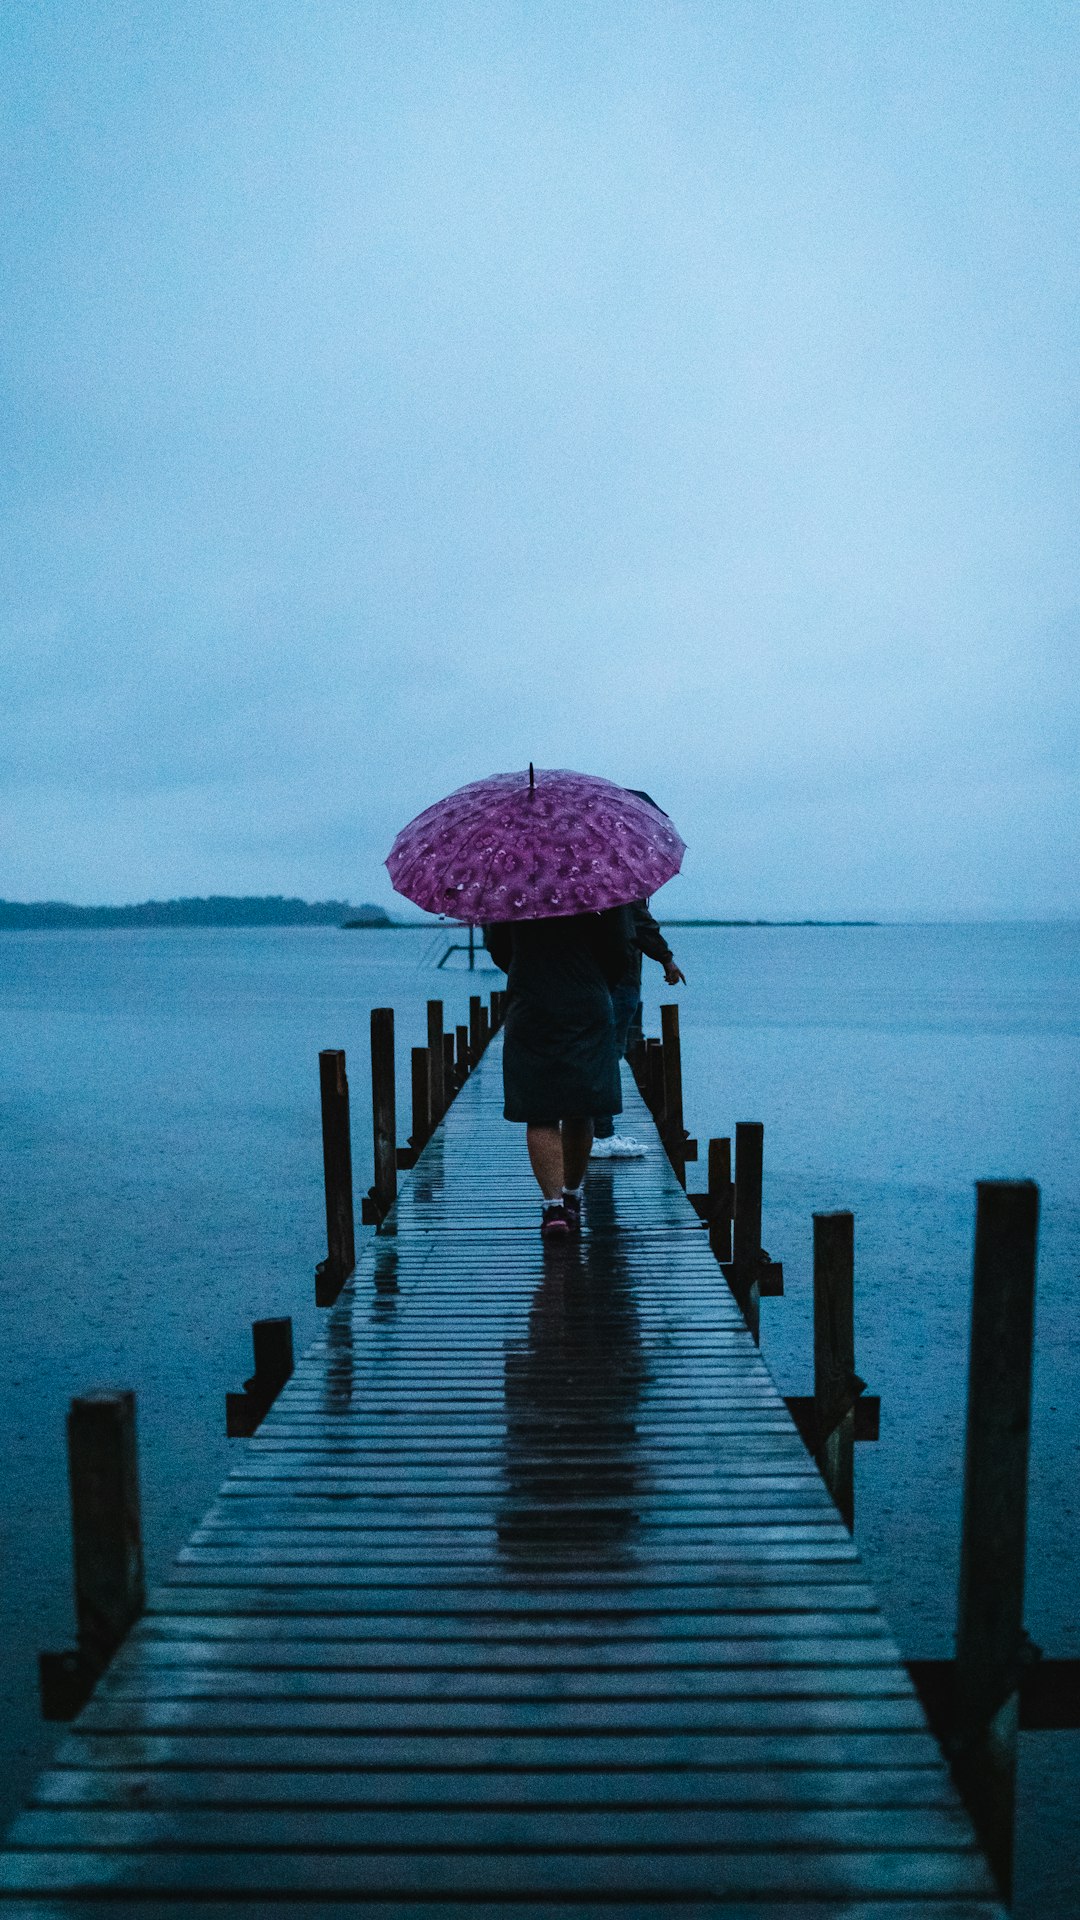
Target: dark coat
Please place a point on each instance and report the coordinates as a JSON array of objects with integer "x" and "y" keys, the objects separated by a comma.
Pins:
[{"x": 559, "y": 1055}]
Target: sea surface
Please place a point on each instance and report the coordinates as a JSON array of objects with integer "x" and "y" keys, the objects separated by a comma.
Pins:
[{"x": 160, "y": 1161}]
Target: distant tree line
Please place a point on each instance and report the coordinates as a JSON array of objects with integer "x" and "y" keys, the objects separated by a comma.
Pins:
[{"x": 219, "y": 910}]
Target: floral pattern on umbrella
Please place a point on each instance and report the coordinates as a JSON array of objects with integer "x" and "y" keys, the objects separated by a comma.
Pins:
[{"x": 505, "y": 849}]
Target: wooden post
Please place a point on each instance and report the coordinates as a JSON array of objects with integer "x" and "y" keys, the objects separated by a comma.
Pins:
[
  {"x": 674, "y": 1131},
  {"x": 654, "y": 1080},
  {"x": 110, "y": 1586},
  {"x": 421, "y": 1099},
  {"x": 461, "y": 1063},
  {"x": 273, "y": 1344},
  {"x": 475, "y": 1049},
  {"x": 493, "y": 1001},
  {"x": 990, "y": 1639},
  {"x": 485, "y": 1027},
  {"x": 449, "y": 1082},
  {"x": 337, "y": 1173},
  {"x": 834, "y": 1355},
  {"x": 746, "y": 1238},
  {"x": 383, "y": 1110},
  {"x": 110, "y": 1589},
  {"x": 438, "y": 1070},
  {"x": 720, "y": 1197}
]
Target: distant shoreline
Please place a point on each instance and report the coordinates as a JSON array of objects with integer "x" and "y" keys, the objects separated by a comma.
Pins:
[{"x": 216, "y": 910}]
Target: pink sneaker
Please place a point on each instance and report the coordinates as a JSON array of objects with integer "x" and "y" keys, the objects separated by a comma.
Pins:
[
  {"x": 555, "y": 1223},
  {"x": 572, "y": 1204}
]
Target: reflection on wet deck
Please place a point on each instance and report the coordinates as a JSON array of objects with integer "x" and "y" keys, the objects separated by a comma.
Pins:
[{"x": 526, "y": 1599}]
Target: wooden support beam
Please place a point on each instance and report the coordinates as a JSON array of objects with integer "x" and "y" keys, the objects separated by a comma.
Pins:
[
  {"x": 439, "y": 1092},
  {"x": 461, "y": 1062},
  {"x": 449, "y": 1076},
  {"x": 106, "y": 1528},
  {"x": 674, "y": 1131},
  {"x": 990, "y": 1640},
  {"x": 420, "y": 1077},
  {"x": 485, "y": 1027},
  {"x": 475, "y": 1048},
  {"x": 272, "y": 1341},
  {"x": 331, "y": 1273},
  {"x": 1049, "y": 1694}
]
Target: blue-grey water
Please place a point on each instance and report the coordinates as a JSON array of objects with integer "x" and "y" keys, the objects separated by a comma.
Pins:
[{"x": 160, "y": 1153}]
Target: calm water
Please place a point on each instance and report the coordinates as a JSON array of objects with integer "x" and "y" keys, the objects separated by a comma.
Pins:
[{"x": 159, "y": 1142}]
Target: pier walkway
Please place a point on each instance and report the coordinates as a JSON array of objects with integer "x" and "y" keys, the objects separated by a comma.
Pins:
[{"x": 525, "y": 1599}]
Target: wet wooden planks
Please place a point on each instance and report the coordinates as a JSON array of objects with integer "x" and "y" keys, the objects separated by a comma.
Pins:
[{"x": 526, "y": 1597}]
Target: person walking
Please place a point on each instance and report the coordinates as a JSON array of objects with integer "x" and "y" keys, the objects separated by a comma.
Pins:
[
  {"x": 646, "y": 937},
  {"x": 560, "y": 1051}
]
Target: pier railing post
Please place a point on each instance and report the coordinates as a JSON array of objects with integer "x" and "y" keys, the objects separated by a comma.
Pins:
[
  {"x": 475, "y": 1048},
  {"x": 337, "y": 1174},
  {"x": 272, "y": 1341},
  {"x": 461, "y": 1063},
  {"x": 746, "y": 1238},
  {"x": 110, "y": 1586},
  {"x": 990, "y": 1640},
  {"x": 438, "y": 1062},
  {"x": 835, "y": 1382},
  {"x": 420, "y": 1060},
  {"x": 383, "y": 1111},
  {"x": 654, "y": 1080},
  {"x": 673, "y": 1131},
  {"x": 720, "y": 1196}
]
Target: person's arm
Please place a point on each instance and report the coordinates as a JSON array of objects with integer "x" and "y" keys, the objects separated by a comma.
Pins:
[
  {"x": 499, "y": 941},
  {"x": 648, "y": 937}
]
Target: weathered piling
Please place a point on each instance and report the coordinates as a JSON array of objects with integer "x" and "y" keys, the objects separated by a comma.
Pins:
[
  {"x": 449, "y": 1074},
  {"x": 421, "y": 1099},
  {"x": 438, "y": 1060},
  {"x": 836, "y": 1386},
  {"x": 839, "y": 1411},
  {"x": 106, "y": 1528},
  {"x": 744, "y": 1274},
  {"x": 383, "y": 1111},
  {"x": 461, "y": 1062},
  {"x": 337, "y": 1176},
  {"x": 721, "y": 1198},
  {"x": 272, "y": 1341},
  {"x": 990, "y": 1641},
  {"x": 475, "y": 1048},
  {"x": 654, "y": 1081},
  {"x": 673, "y": 1130}
]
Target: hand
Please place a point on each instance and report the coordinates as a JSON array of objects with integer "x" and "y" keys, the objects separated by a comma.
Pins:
[{"x": 673, "y": 974}]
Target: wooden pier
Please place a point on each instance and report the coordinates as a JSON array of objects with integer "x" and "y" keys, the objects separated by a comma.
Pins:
[{"x": 525, "y": 1599}]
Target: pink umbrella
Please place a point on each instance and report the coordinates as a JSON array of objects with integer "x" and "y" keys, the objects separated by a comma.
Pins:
[{"x": 534, "y": 847}]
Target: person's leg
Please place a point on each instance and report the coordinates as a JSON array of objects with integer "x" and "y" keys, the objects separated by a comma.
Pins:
[
  {"x": 577, "y": 1139},
  {"x": 625, "y": 1003},
  {"x": 546, "y": 1159}
]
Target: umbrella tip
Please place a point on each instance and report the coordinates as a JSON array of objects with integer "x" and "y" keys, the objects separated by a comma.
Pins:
[{"x": 532, "y": 778}]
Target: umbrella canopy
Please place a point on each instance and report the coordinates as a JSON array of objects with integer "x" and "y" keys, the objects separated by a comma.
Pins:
[{"x": 520, "y": 846}]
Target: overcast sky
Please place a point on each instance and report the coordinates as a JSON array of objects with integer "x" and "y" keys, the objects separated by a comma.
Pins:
[{"x": 684, "y": 392}]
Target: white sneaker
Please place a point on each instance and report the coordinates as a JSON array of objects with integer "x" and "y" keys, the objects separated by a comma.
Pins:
[
  {"x": 623, "y": 1146},
  {"x": 602, "y": 1149}
]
